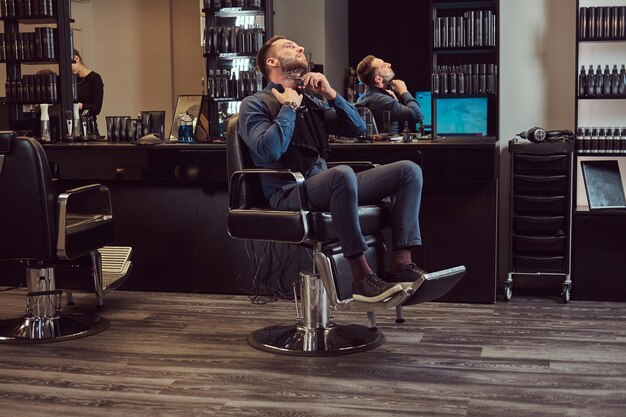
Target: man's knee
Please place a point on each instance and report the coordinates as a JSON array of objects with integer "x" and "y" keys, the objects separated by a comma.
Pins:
[
  {"x": 411, "y": 170},
  {"x": 343, "y": 174}
]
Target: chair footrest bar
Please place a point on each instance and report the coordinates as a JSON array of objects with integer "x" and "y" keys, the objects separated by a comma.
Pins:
[{"x": 116, "y": 265}]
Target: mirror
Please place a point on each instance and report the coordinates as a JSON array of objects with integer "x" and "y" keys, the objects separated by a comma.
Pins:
[{"x": 186, "y": 104}]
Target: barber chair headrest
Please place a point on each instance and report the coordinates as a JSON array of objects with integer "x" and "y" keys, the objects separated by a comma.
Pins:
[{"x": 5, "y": 141}]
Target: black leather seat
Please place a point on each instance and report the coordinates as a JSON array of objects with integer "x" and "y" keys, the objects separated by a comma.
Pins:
[
  {"x": 42, "y": 229},
  {"x": 328, "y": 285}
]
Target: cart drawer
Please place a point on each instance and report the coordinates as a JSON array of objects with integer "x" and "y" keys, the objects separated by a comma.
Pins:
[
  {"x": 539, "y": 205},
  {"x": 539, "y": 225},
  {"x": 540, "y": 164},
  {"x": 538, "y": 263},
  {"x": 540, "y": 184},
  {"x": 538, "y": 245}
]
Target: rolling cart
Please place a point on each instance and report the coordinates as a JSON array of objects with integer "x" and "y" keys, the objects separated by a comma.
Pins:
[{"x": 540, "y": 217}]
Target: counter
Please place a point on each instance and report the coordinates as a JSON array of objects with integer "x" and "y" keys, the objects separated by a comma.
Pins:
[{"x": 170, "y": 203}]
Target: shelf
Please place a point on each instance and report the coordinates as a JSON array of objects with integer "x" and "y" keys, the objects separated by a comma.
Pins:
[
  {"x": 486, "y": 4},
  {"x": 602, "y": 154},
  {"x": 20, "y": 103},
  {"x": 29, "y": 20},
  {"x": 444, "y": 96},
  {"x": 30, "y": 61},
  {"x": 601, "y": 98},
  {"x": 234, "y": 11},
  {"x": 584, "y": 210},
  {"x": 466, "y": 50},
  {"x": 229, "y": 55},
  {"x": 224, "y": 99},
  {"x": 601, "y": 40}
]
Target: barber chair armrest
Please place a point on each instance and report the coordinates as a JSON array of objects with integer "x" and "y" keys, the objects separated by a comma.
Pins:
[
  {"x": 85, "y": 220},
  {"x": 357, "y": 166},
  {"x": 236, "y": 181}
]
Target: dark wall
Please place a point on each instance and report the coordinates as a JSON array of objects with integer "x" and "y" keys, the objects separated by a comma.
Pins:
[{"x": 397, "y": 31}]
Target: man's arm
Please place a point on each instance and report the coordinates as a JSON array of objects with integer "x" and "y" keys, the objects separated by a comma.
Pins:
[
  {"x": 268, "y": 140},
  {"x": 342, "y": 118},
  {"x": 406, "y": 109}
]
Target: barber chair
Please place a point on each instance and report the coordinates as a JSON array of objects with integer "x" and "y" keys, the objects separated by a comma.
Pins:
[
  {"x": 44, "y": 230},
  {"x": 328, "y": 285}
]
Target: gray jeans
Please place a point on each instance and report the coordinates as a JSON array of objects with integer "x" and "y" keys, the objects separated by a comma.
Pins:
[{"x": 340, "y": 190}]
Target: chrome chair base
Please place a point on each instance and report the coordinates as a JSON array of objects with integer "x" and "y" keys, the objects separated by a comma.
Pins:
[
  {"x": 29, "y": 330},
  {"x": 296, "y": 340}
]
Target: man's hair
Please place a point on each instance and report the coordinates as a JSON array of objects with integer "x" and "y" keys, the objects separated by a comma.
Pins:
[
  {"x": 263, "y": 53},
  {"x": 365, "y": 71}
]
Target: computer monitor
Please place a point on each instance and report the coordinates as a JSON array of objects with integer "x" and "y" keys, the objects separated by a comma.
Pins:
[
  {"x": 423, "y": 98},
  {"x": 462, "y": 116}
]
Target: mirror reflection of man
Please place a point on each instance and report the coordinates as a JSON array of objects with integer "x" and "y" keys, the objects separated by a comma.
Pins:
[{"x": 384, "y": 93}]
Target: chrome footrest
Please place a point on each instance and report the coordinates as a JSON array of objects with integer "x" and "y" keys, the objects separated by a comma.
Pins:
[
  {"x": 434, "y": 285},
  {"x": 116, "y": 265}
]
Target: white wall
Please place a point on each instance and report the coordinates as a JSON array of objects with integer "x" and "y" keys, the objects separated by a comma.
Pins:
[
  {"x": 320, "y": 26},
  {"x": 537, "y": 80}
]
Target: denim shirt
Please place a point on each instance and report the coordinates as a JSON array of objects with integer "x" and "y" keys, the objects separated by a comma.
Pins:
[{"x": 268, "y": 138}]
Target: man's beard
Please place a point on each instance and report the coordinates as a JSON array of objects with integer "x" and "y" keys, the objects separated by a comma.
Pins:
[
  {"x": 388, "y": 77},
  {"x": 293, "y": 67}
]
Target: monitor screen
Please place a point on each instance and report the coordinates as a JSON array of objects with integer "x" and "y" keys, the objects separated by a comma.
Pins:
[
  {"x": 462, "y": 116},
  {"x": 423, "y": 99}
]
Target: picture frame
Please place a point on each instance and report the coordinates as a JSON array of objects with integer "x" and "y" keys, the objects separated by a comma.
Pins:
[
  {"x": 603, "y": 184},
  {"x": 190, "y": 104}
]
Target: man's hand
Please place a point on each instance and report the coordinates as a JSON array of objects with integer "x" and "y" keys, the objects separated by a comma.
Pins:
[
  {"x": 319, "y": 85},
  {"x": 399, "y": 87},
  {"x": 289, "y": 95},
  {"x": 392, "y": 94}
]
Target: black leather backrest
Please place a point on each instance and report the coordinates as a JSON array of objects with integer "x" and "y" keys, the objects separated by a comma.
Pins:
[
  {"x": 28, "y": 223},
  {"x": 238, "y": 158}
]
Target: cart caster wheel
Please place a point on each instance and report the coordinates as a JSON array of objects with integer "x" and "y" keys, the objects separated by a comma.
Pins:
[
  {"x": 508, "y": 291},
  {"x": 566, "y": 293}
]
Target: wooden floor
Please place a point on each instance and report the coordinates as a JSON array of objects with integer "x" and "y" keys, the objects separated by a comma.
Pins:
[{"x": 186, "y": 355}]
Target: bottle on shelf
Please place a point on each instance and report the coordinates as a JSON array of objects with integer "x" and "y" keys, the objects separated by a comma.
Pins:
[
  {"x": 621, "y": 89},
  {"x": 582, "y": 82},
  {"x": 614, "y": 81},
  {"x": 606, "y": 81},
  {"x": 599, "y": 82},
  {"x": 591, "y": 83}
]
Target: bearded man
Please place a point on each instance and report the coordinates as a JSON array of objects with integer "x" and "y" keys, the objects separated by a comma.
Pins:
[
  {"x": 384, "y": 93},
  {"x": 286, "y": 127}
]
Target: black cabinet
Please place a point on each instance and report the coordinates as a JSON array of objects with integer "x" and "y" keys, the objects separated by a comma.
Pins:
[
  {"x": 234, "y": 32},
  {"x": 465, "y": 58},
  {"x": 42, "y": 45},
  {"x": 540, "y": 217}
]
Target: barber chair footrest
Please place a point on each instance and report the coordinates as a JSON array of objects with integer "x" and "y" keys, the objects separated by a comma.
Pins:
[
  {"x": 434, "y": 285},
  {"x": 62, "y": 327},
  {"x": 298, "y": 341},
  {"x": 116, "y": 266}
]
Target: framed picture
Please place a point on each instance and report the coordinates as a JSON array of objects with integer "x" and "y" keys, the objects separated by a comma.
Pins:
[
  {"x": 603, "y": 184},
  {"x": 190, "y": 105}
]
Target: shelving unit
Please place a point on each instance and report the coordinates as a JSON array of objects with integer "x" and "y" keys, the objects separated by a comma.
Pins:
[
  {"x": 465, "y": 64},
  {"x": 599, "y": 236},
  {"x": 62, "y": 89},
  {"x": 234, "y": 32}
]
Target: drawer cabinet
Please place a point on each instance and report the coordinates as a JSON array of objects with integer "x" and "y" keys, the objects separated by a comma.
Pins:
[{"x": 540, "y": 214}]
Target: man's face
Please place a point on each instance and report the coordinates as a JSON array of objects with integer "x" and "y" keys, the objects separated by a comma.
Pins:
[
  {"x": 290, "y": 57},
  {"x": 383, "y": 70}
]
